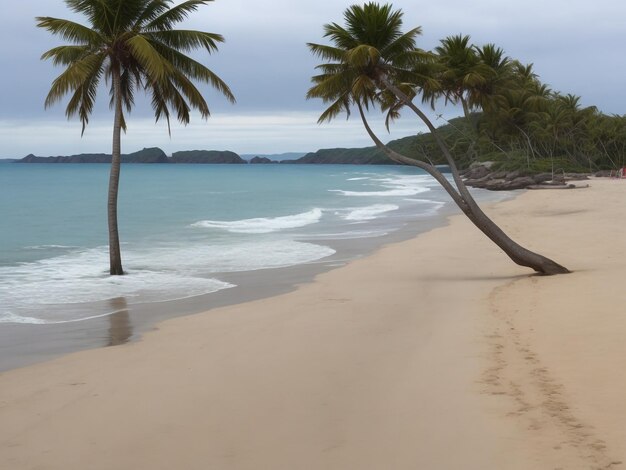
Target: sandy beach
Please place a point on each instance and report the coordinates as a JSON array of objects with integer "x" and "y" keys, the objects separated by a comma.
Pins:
[{"x": 433, "y": 353}]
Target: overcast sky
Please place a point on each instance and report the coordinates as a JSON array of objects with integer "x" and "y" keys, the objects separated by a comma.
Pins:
[{"x": 577, "y": 47}]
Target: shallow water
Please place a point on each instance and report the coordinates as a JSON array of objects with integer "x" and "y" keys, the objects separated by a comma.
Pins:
[{"x": 183, "y": 227}]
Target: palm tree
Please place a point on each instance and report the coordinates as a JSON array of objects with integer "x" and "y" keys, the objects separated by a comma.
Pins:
[
  {"x": 498, "y": 78},
  {"x": 463, "y": 73},
  {"x": 371, "y": 59},
  {"x": 133, "y": 45}
]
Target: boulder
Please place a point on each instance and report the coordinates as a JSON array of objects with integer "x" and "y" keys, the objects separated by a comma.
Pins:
[{"x": 542, "y": 177}]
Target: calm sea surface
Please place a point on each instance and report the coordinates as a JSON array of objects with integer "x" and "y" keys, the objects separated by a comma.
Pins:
[{"x": 182, "y": 226}]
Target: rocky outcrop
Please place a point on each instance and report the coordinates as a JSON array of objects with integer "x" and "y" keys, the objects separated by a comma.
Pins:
[
  {"x": 482, "y": 176},
  {"x": 206, "y": 156},
  {"x": 261, "y": 160}
]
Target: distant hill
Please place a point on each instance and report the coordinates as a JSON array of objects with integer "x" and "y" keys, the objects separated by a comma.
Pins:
[
  {"x": 353, "y": 156},
  {"x": 147, "y": 155},
  {"x": 261, "y": 160},
  {"x": 206, "y": 156},
  {"x": 278, "y": 157},
  {"x": 420, "y": 146},
  {"x": 407, "y": 146}
]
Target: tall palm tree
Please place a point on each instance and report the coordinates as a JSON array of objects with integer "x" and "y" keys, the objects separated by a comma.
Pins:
[
  {"x": 500, "y": 76},
  {"x": 132, "y": 45},
  {"x": 372, "y": 58},
  {"x": 463, "y": 73}
]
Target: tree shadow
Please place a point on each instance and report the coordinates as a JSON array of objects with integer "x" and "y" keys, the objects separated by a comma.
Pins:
[
  {"x": 470, "y": 277},
  {"x": 120, "y": 326}
]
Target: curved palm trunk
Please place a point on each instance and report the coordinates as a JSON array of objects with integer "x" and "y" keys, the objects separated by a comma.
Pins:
[
  {"x": 464, "y": 200},
  {"x": 115, "y": 256}
]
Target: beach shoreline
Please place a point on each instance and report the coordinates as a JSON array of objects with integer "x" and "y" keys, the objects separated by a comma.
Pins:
[
  {"x": 26, "y": 344},
  {"x": 435, "y": 352}
]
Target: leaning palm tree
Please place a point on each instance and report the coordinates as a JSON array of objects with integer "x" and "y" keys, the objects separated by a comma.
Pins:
[
  {"x": 132, "y": 45},
  {"x": 372, "y": 63}
]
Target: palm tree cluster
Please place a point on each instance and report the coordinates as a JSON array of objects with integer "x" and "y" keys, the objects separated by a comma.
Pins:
[
  {"x": 544, "y": 125},
  {"x": 132, "y": 45},
  {"x": 512, "y": 117},
  {"x": 371, "y": 63}
]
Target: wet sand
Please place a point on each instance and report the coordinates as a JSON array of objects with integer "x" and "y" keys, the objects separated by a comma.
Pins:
[{"x": 434, "y": 353}]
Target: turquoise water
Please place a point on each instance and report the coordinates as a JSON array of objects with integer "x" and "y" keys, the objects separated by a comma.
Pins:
[{"x": 181, "y": 226}]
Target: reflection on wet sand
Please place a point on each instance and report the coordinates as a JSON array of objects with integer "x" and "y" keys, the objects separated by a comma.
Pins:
[{"x": 120, "y": 327}]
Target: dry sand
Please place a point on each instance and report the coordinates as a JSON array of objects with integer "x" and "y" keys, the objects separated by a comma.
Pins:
[{"x": 435, "y": 353}]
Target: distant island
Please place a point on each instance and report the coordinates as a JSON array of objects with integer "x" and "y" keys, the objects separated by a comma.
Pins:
[
  {"x": 353, "y": 156},
  {"x": 274, "y": 157},
  {"x": 421, "y": 145},
  {"x": 147, "y": 155}
]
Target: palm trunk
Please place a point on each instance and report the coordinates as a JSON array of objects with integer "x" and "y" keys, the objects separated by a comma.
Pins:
[
  {"x": 115, "y": 256},
  {"x": 464, "y": 199}
]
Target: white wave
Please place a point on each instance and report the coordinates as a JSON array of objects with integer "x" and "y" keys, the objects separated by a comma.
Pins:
[
  {"x": 82, "y": 277},
  {"x": 10, "y": 317},
  {"x": 398, "y": 185},
  {"x": 24, "y": 320},
  {"x": 346, "y": 235},
  {"x": 47, "y": 247},
  {"x": 247, "y": 256},
  {"x": 370, "y": 212},
  {"x": 358, "y": 179},
  {"x": 424, "y": 201},
  {"x": 263, "y": 224},
  {"x": 76, "y": 286},
  {"x": 389, "y": 192},
  {"x": 431, "y": 209}
]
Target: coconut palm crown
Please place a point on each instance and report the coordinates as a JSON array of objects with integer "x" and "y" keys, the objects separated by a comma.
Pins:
[
  {"x": 135, "y": 40},
  {"x": 130, "y": 45},
  {"x": 370, "y": 46}
]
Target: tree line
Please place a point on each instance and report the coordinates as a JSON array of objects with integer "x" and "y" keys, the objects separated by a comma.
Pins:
[{"x": 512, "y": 117}]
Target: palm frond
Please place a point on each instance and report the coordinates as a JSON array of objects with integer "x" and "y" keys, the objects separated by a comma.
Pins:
[
  {"x": 74, "y": 77},
  {"x": 362, "y": 56},
  {"x": 327, "y": 52},
  {"x": 194, "y": 70},
  {"x": 84, "y": 97},
  {"x": 69, "y": 30},
  {"x": 187, "y": 40},
  {"x": 340, "y": 105},
  {"x": 151, "y": 10},
  {"x": 65, "y": 55},
  {"x": 154, "y": 64},
  {"x": 169, "y": 18}
]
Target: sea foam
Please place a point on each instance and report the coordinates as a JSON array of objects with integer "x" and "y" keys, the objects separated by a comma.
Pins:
[
  {"x": 396, "y": 186},
  {"x": 70, "y": 287},
  {"x": 263, "y": 224},
  {"x": 370, "y": 212}
]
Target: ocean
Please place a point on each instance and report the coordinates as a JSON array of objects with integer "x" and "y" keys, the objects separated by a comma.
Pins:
[{"x": 185, "y": 229}]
